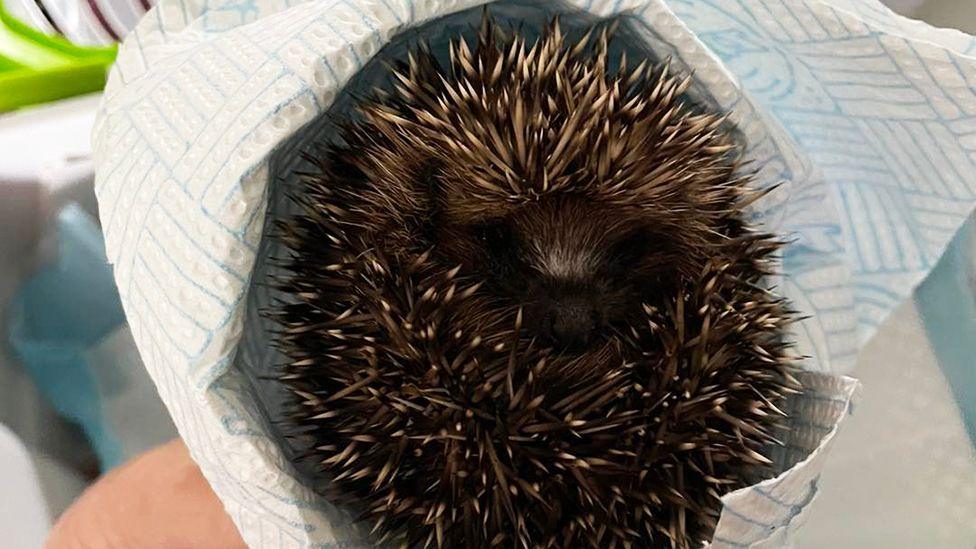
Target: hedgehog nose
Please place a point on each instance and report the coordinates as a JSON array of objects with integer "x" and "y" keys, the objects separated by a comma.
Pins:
[{"x": 573, "y": 323}]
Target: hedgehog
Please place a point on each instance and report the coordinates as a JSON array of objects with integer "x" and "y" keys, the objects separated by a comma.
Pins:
[{"x": 523, "y": 306}]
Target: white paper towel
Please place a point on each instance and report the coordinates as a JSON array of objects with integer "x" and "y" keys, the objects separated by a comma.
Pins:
[{"x": 867, "y": 118}]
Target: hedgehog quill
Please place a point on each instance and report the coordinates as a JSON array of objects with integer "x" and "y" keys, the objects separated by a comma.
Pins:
[{"x": 524, "y": 308}]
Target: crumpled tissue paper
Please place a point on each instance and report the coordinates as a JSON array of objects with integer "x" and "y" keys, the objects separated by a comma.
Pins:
[{"x": 868, "y": 120}]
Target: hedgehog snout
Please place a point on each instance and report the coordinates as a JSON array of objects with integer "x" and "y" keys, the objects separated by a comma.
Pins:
[{"x": 571, "y": 322}]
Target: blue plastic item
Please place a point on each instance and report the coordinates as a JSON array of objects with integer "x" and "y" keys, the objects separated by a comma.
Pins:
[
  {"x": 946, "y": 302},
  {"x": 58, "y": 315}
]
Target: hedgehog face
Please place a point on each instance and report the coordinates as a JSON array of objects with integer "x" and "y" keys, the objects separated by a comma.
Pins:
[{"x": 576, "y": 267}]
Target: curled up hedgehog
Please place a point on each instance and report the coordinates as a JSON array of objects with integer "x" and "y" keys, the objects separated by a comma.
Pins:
[{"x": 523, "y": 307}]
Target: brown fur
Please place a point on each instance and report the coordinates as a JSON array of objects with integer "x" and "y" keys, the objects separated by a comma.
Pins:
[{"x": 476, "y": 221}]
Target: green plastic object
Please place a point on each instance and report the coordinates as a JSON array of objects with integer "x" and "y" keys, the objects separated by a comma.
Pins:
[{"x": 37, "y": 68}]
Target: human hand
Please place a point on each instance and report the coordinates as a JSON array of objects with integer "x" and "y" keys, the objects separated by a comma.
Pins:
[{"x": 158, "y": 500}]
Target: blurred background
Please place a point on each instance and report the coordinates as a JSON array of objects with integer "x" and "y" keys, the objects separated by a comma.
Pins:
[{"x": 75, "y": 401}]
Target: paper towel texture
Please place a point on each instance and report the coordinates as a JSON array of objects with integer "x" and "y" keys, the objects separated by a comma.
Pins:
[{"x": 866, "y": 118}]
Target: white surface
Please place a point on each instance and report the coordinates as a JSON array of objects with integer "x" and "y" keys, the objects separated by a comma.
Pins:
[
  {"x": 35, "y": 138},
  {"x": 46, "y": 163},
  {"x": 24, "y": 519},
  {"x": 903, "y": 471}
]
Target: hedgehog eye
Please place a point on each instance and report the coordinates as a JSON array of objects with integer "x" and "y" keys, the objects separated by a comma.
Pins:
[
  {"x": 495, "y": 236},
  {"x": 631, "y": 249}
]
